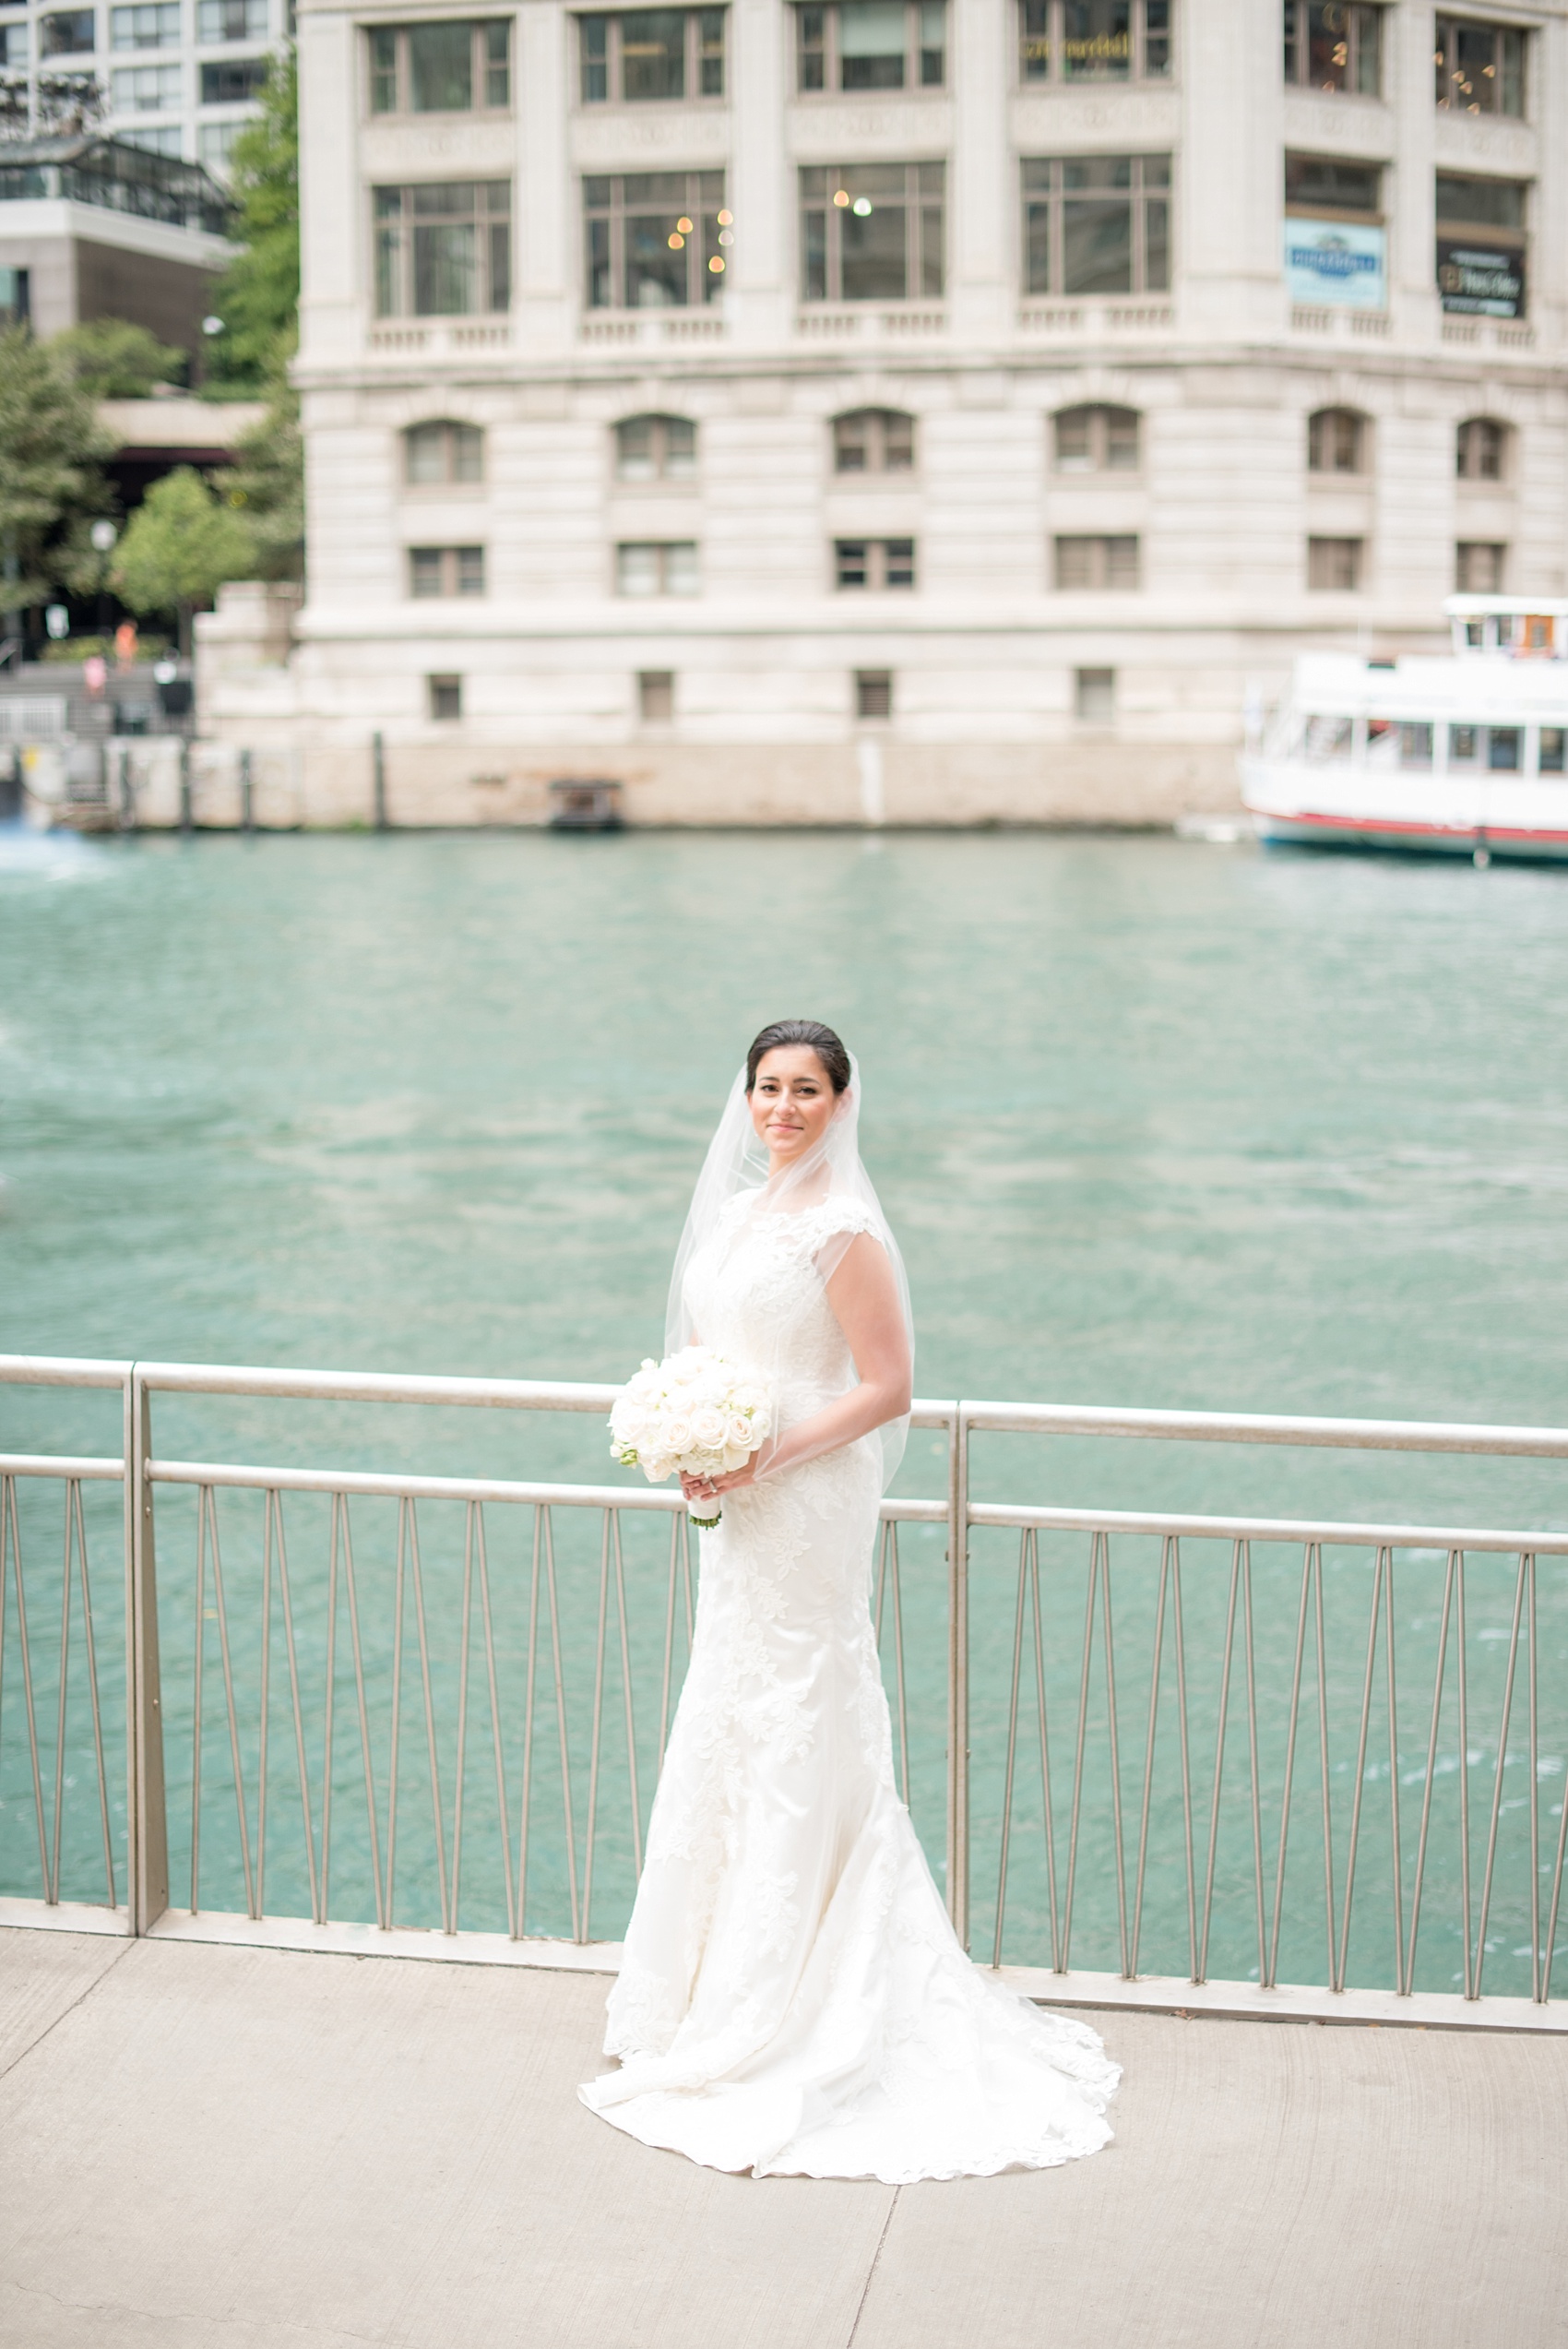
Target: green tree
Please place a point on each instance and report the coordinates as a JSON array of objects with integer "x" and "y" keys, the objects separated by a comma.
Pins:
[
  {"x": 267, "y": 485},
  {"x": 179, "y": 547},
  {"x": 51, "y": 481},
  {"x": 259, "y": 295},
  {"x": 111, "y": 359}
]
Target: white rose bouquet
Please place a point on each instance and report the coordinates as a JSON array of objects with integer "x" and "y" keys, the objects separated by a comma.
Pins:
[{"x": 695, "y": 1413}]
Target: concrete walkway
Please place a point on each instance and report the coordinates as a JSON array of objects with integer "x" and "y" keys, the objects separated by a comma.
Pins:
[{"x": 227, "y": 2146}]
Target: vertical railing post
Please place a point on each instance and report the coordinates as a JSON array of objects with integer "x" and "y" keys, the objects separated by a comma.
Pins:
[
  {"x": 147, "y": 1819},
  {"x": 378, "y": 779},
  {"x": 959, "y": 1672}
]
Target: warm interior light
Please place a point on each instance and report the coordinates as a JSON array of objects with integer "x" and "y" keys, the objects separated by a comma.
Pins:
[
  {"x": 840, "y": 196},
  {"x": 717, "y": 265},
  {"x": 676, "y": 241},
  {"x": 726, "y": 220},
  {"x": 685, "y": 227}
]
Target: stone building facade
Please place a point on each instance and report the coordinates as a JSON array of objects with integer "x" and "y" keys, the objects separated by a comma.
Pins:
[{"x": 906, "y": 410}]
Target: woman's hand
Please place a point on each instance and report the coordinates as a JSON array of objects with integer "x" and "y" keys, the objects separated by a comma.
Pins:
[{"x": 708, "y": 1488}]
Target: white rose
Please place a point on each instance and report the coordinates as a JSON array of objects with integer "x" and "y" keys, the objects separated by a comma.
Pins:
[
  {"x": 736, "y": 1457},
  {"x": 741, "y": 1432},
  {"x": 676, "y": 1433},
  {"x": 708, "y": 1428}
]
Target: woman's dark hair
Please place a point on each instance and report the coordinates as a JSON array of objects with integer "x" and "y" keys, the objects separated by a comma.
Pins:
[{"x": 814, "y": 1036}]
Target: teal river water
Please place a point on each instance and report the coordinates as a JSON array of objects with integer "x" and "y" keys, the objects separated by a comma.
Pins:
[{"x": 1157, "y": 1123}]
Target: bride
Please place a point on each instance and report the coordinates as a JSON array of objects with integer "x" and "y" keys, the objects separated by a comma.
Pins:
[{"x": 793, "y": 2000}]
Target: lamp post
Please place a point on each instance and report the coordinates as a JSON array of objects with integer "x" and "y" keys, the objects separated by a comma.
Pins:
[{"x": 104, "y": 537}]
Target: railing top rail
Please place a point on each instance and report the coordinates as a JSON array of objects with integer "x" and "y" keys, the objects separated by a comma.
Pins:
[
  {"x": 1270, "y": 1529},
  {"x": 97, "y": 1470},
  {"x": 1256, "y": 1428},
  {"x": 392, "y": 1486},
  {"x": 59, "y": 1370}
]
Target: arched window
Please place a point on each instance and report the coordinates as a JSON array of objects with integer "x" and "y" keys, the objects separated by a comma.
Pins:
[
  {"x": 1098, "y": 440},
  {"x": 1480, "y": 450},
  {"x": 1338, "y": 441},
  {"x": 442, "y": 452},
  {"x": 873, "y": 440},
  {"x": 655, "y": 448}
]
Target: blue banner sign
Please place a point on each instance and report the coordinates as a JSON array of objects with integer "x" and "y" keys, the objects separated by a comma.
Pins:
[{"x": 1342, "y": 262}]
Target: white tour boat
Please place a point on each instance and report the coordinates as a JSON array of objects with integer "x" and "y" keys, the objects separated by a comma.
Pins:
[{"x": 1463, "y": 755}]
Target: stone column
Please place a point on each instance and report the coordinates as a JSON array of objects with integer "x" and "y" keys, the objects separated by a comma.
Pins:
[
  {"x": 980, "y": 295},
  {"x": 759, "y": 285}
]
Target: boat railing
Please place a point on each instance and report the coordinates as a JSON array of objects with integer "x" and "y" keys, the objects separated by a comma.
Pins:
[{"x": 1306, "y": 1763}]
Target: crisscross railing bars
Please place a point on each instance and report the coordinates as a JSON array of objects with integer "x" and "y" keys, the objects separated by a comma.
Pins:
[{"x": 1168, "y": 1776}]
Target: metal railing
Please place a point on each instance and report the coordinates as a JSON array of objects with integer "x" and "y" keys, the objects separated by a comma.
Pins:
[{"x": 429, "y": 1710}]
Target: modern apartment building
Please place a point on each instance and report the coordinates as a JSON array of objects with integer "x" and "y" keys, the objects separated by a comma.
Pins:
[
  {"x": 179, "y": 77},
  {"x": 915, "y": 411}
]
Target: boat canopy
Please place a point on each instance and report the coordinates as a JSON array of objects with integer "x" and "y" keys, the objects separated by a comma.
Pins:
[{"x": 1525, "y": 627}]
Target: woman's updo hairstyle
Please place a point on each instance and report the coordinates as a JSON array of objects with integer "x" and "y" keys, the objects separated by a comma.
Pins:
[{"x": 814, "y": 1036}]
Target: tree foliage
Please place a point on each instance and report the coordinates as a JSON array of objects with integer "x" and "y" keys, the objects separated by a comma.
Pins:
[
  {"x": 259, "y": 295},
  {"x": 267, "y": 485},
  {"x": 180, "y": 545},
  {"x": 52, "y": 484},
  {"x": 112, "y": 359}
]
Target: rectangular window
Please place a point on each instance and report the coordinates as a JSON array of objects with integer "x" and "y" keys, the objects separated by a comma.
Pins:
[
  {"x": 1480, "y": 447},
  {"x": 1096, "y": 440},
  {"x": 874, "y": 562},
  {"x": 445, "y": 571},
  {"x": 444, "y": 249},
  {"x": 1415, "y": 745},
  {"x": 1481, "y": 68},
  {"x": 1090, "y": 562},
  {"x": 1336, "y": 244},
  {"x": 655, "y": 448},
  {"x": 446, "y": 68},
  {"x": 648, "y": 566},
  {"x": 1097, "y": 224},
  {"x": 146, "y": 90},
  {"x": 650, "y": 53},
  {"x": 14, "y": 47},
  {"x": 16, "y": 301},
  {"x": 1552, "y": 741},
  {"x": 1478, "y": 566},
  {"x": 872, "y": 44},
  {"x": 223, "y": 20},
  {"x": 446, "y": 696},
  {"x": 652, "y": 240},
  {"x": 1334, "y": 45},
  {"x": 1481, "y": 244},
  {"x": 235, "y": 82},
  {"x": 163, "y": 139},
  {"x": 656, "y": 697},
  {"x": 441, "y": 454},
  {"x": 872, "y": 232},
  {"x": 1094, "y": 41},
  {"x": 873, "y": 440},
  {"x": 1094, "y": 697},
  {"x": 216, "y": 145},
  {"x": 873, "y": 694},
  {"x": 72, "y": 33},
  {"x": 154, "y": 27},
  {"x": 1334, "y": 562}
]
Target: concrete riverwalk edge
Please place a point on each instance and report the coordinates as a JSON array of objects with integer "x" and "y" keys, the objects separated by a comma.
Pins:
[{"x": 212, "y": 2145}]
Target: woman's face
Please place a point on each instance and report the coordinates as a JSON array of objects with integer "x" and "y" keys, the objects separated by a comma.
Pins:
[{"x": 792, "y": 1101}]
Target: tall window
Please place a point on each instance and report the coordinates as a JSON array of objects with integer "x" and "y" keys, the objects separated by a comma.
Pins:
[
  {"x": 1481, "y": 68},
  {"x": 873, "y": 440},
  {"x": 1091, "y": 562},
  {"x": 1480, "y": 450},
  {"x": 156, "y": 26},
  {"x": 871, "y": 232},
  {"x": 1334, "y": 45},
  {"x": 872, "y": 44},
  {"x": 457, "y": 68},
  {"x": 1480, "y": 244},
  {"x": 1094, "y": 39},
  {"x": 656, "y": 567},
  {"x": 652, "y": 52},
  {"x": 1095, "y": 440},
  {"x": 221, "y": 20},
  {"x": 445, "y": 570},
  {"x": 654, "y": 239},
  {"x": 655, "y": 448},
  {"x": 1334, "y": 565},
  {"x": 1479, "y": 566},
  {"x": 874, "y": 562},
  {"x": 436, "y": 454},
  {"x": 1336, "y": 441},
  {"x": 444, "y": 249},
  {"x": 1097, "y": 224}
]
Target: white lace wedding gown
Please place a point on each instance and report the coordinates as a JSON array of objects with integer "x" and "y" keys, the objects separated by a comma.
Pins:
[{"x": 793, "y": 1999}]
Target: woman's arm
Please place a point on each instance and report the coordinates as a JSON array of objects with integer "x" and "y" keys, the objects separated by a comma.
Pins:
[{"x": 864, "y": 1298}]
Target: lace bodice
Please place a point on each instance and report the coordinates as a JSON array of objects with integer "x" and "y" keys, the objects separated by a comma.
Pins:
[{"x": 758, "y": 1295}]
